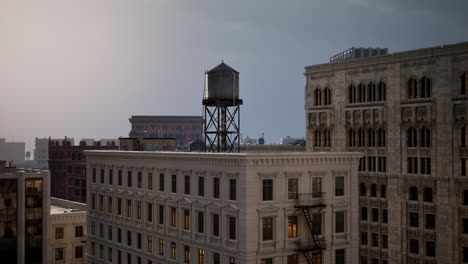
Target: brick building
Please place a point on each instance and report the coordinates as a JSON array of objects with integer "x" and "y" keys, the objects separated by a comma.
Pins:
[
  {"x": 407, "y": 113},
  {"x": 67, "y": 165},
  {"x": 184, "y": 128}
]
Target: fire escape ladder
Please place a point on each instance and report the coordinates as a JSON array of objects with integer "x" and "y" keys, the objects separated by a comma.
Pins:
[{"x": 309, "y": 221}]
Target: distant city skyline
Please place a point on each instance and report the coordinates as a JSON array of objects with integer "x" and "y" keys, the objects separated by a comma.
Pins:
[{"x": 82, "y": 68}]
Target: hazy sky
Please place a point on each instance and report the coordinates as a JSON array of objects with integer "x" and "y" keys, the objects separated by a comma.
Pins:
[{"x": 81, "y": 68}]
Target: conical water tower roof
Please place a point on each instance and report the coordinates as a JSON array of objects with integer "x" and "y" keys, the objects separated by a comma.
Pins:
[{"x": 222, "y": 68}]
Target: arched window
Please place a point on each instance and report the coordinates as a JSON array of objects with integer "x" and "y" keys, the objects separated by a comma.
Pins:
[
  {"x": 412, "y": 88},
  {"x": 425, "y": 84},
  {"x": 412, "y": 137},
  {"x": 464, "y": 83},
  {"x": 373, "y": 190},
  {"x": 381, "y": 137},
  {"x": 362, "y": 189},
  {"x": 383, "y": 191},
  {"x": 351, "y": 138},
  {"x": 424, "y": 137},
  {"x": 361, "y": 138},
  {"x": 370, "y": 137},
  {"x": 463, "y": 136},
  {"x": 327, "y": 93},
  {"x": 382, "y": 91},
  {"x": 413, "y": 193},
  {"x": 351, "y": 94},
  {"x": 427, "y": 195},
  {"x": 361, "y": 93},
  {"x": 371, "y": 92},
  {"x": 318, "y": 96}
]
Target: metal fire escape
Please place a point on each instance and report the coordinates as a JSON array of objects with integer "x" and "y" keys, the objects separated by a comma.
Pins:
[{"x": 309, "y": 204}]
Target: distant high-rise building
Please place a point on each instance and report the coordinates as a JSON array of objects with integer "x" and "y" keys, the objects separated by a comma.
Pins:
[
  {"x": 24, "y": 220},
  {"x": 14, "y": 151},
  {"x": 408, "y": 114},
  {"x": 356, "y": 53},
  {"x": 183, "y": 128},
  {"x": 67, "y": 166}
]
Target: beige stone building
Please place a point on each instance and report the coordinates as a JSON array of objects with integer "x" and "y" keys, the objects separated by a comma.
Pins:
[
  {"x": 67, "y": 243},
  {"x": 247, "y": 208},
  {"x": 407, "y": 113}
]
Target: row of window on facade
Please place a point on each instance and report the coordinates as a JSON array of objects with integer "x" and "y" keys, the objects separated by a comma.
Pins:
[
  {"x": 373, "y": 164},
  {"x": 367, "y": 93},
  {"x": 187, "y": 190},
  {"x": 413, "y": 193},
  {"x": 59, "y": 254},
  {"x": 173, "y": 254},
  {"x": 267, "y": 185},
  {"x": 366, "y": 138}
]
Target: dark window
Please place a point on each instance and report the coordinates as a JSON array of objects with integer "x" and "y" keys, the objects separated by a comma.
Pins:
[
  {"x": 150, "y": 181},
  {"x": 161, "y": 182},
  {"x": 201, "y": 222},
  {"x": 465, "y": 197},
  {"x": 414, "y": 246},
  {"x": 201, "y": 186},
  {"x": 363, "y": 238},
  {"x": 464, "y": 83},
  {"x": 412, "y": 88},
  {"x": 129, "y": 179},
  {"x": 216, "y": 258},
  {"x": 413, "y": 193},
  {"x": 384, "y": 216},
  {"x": 59, "y": 254},
  {"x": 120, "y": 178},
  {"x": 317, "y": 224},
  {"x": 383, "y": 191},
  {"x": 174, "y": 183},
  {"x": 414, "y": 219},
  {"x": 59, "y": 233},
  {"x": 411, "y": 137},
  {"x": 267, "y": 190},
  {"x": 375, "y": 215},
  {"x": 215, "y": 225},
  {"x": 129, "y": 238},
  {"x": 111, "y": 177},
  {"x": 427, "y": 195},
  {"x": 232, "y": 189},
  {"x": 139, "y": 179},
  {"x": 79, "y": 252},
  {"x": 465, "y": 225},
  {"x": 119, "y": 235},
  {"x": 362, "y": 189},
  {"x": 187, "y": 184},
  {"x": 149, "y": 212},
  {"x": 364, "y": 213},
  {"x": 94, "y": 174},
  {"x": 340, "y": 256},
  {"x": 215, "y": 187},
  {"x": 139, "y": 240},
  {"x": 267, "y": 228},
  {"x": 78, "y": 231},
  {"x": 384, "y": 241},
  {"x": 339, "y": 186},
  {"x": 430, "y": 249},
  {"x": 232, "y": 228},
  {"x": 425, "y": 84},
  {"x": 374, "y": 190},
  {"x": 266, "y": 261},
  {"x": 375, "y": 239},
  {"x": 430, "y": 221},
  {"x": 339, "y": 222},
  {"x": 161, "y": 215},
  {"x": 465, "y": 254}
]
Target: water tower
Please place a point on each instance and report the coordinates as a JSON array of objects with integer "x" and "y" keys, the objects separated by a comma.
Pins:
[{"x": 221, "y": 109}]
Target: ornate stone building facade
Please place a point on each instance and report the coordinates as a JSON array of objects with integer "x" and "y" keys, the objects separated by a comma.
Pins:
[
  {"x": 407, "y": 113},
  {"x": 249, "y": 208}
]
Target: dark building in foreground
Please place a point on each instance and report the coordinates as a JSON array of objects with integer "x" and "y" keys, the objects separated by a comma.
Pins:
[
  {"x": 183, "y": 128},
  {"x": 408, "y": 114},
  {"x": 67, "y": 165},
  {"x": 357, "y": 53},
  {"x": 24, "y": 210}
]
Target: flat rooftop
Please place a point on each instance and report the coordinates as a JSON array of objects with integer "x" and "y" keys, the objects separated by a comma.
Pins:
[{"x": 54, "y": 209}]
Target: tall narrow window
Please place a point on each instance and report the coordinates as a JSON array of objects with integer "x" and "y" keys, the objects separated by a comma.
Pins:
[
  {"x": 201, "y": 256},
  {"x": 382, "y": 89},
  {"x": 361, "y": 137},
  {"x": 361, "y": 94},
  {"x": 161, "y": 182},
  {"x": 292, "y": 188},
  {"x": 339, "y": 186},
  {"x": 140, "y": 180},
  {"x": 102, "y": 176},
  {"x": 425, "y": 85},
  {"x": 139, "y": 237},
  {"x": 94, "y": 174},
  {"x": 173, "y": 250},
  {"x": 150, "y": 181},
  {"x": 173, "y": 217},
  {"x": 232, "y": 189},
  {"x": 150, "y": 244},
  {"x": 139, "y": 210},
  {"x": 267, "y": 190},
  {"x": 201, "y": 186},
  {"x": 161, "y": 247},
  {"x": 351, "y": 94},
  {"x": 216, "y": 258},
  {"x": 316, "y": 187},
  {"x": 161, "y": 215},
  {"x": 174, "y": 183},
  {"x": 464, "y": 83},
  {"x": 380, "y": 137},
  {"x": 149, "y": 212},
  {"x": 267, "y": 229},
  {"x": 370, "y": 137},
  {"x": 216, "y": 187},
  {"x": 317, "y": 224},
  {"x": 129, "y": 179},
  {"x": 119, "y": 176},
  {"x": 340, "y": 256},
  {"x": 412, "y": 88},
  {"x": 129, "y": 208},
  {"x": 424, "y": 137},
  {"x": 371, "y": 93},
  {"x": 186, "y": 254},
  {"x": 119, "y": 206},
  {"x": 413, "y": 193},
  {"x": 232, "y": 227},
  {"x": 292, "y": 226},
  {"x": 215, "y": 225},
  {"x": 201, "y": 222},
  {"x": 463, "y": 136},
  {"x": 111, "y": 177},
  {"x": 187, "y": 184},
  {"x": 339, "y": 222},
  {"x": 327, "y": 93},
  {"x": 109, "y": 205},
  {"x": 186, "y": 219}
]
